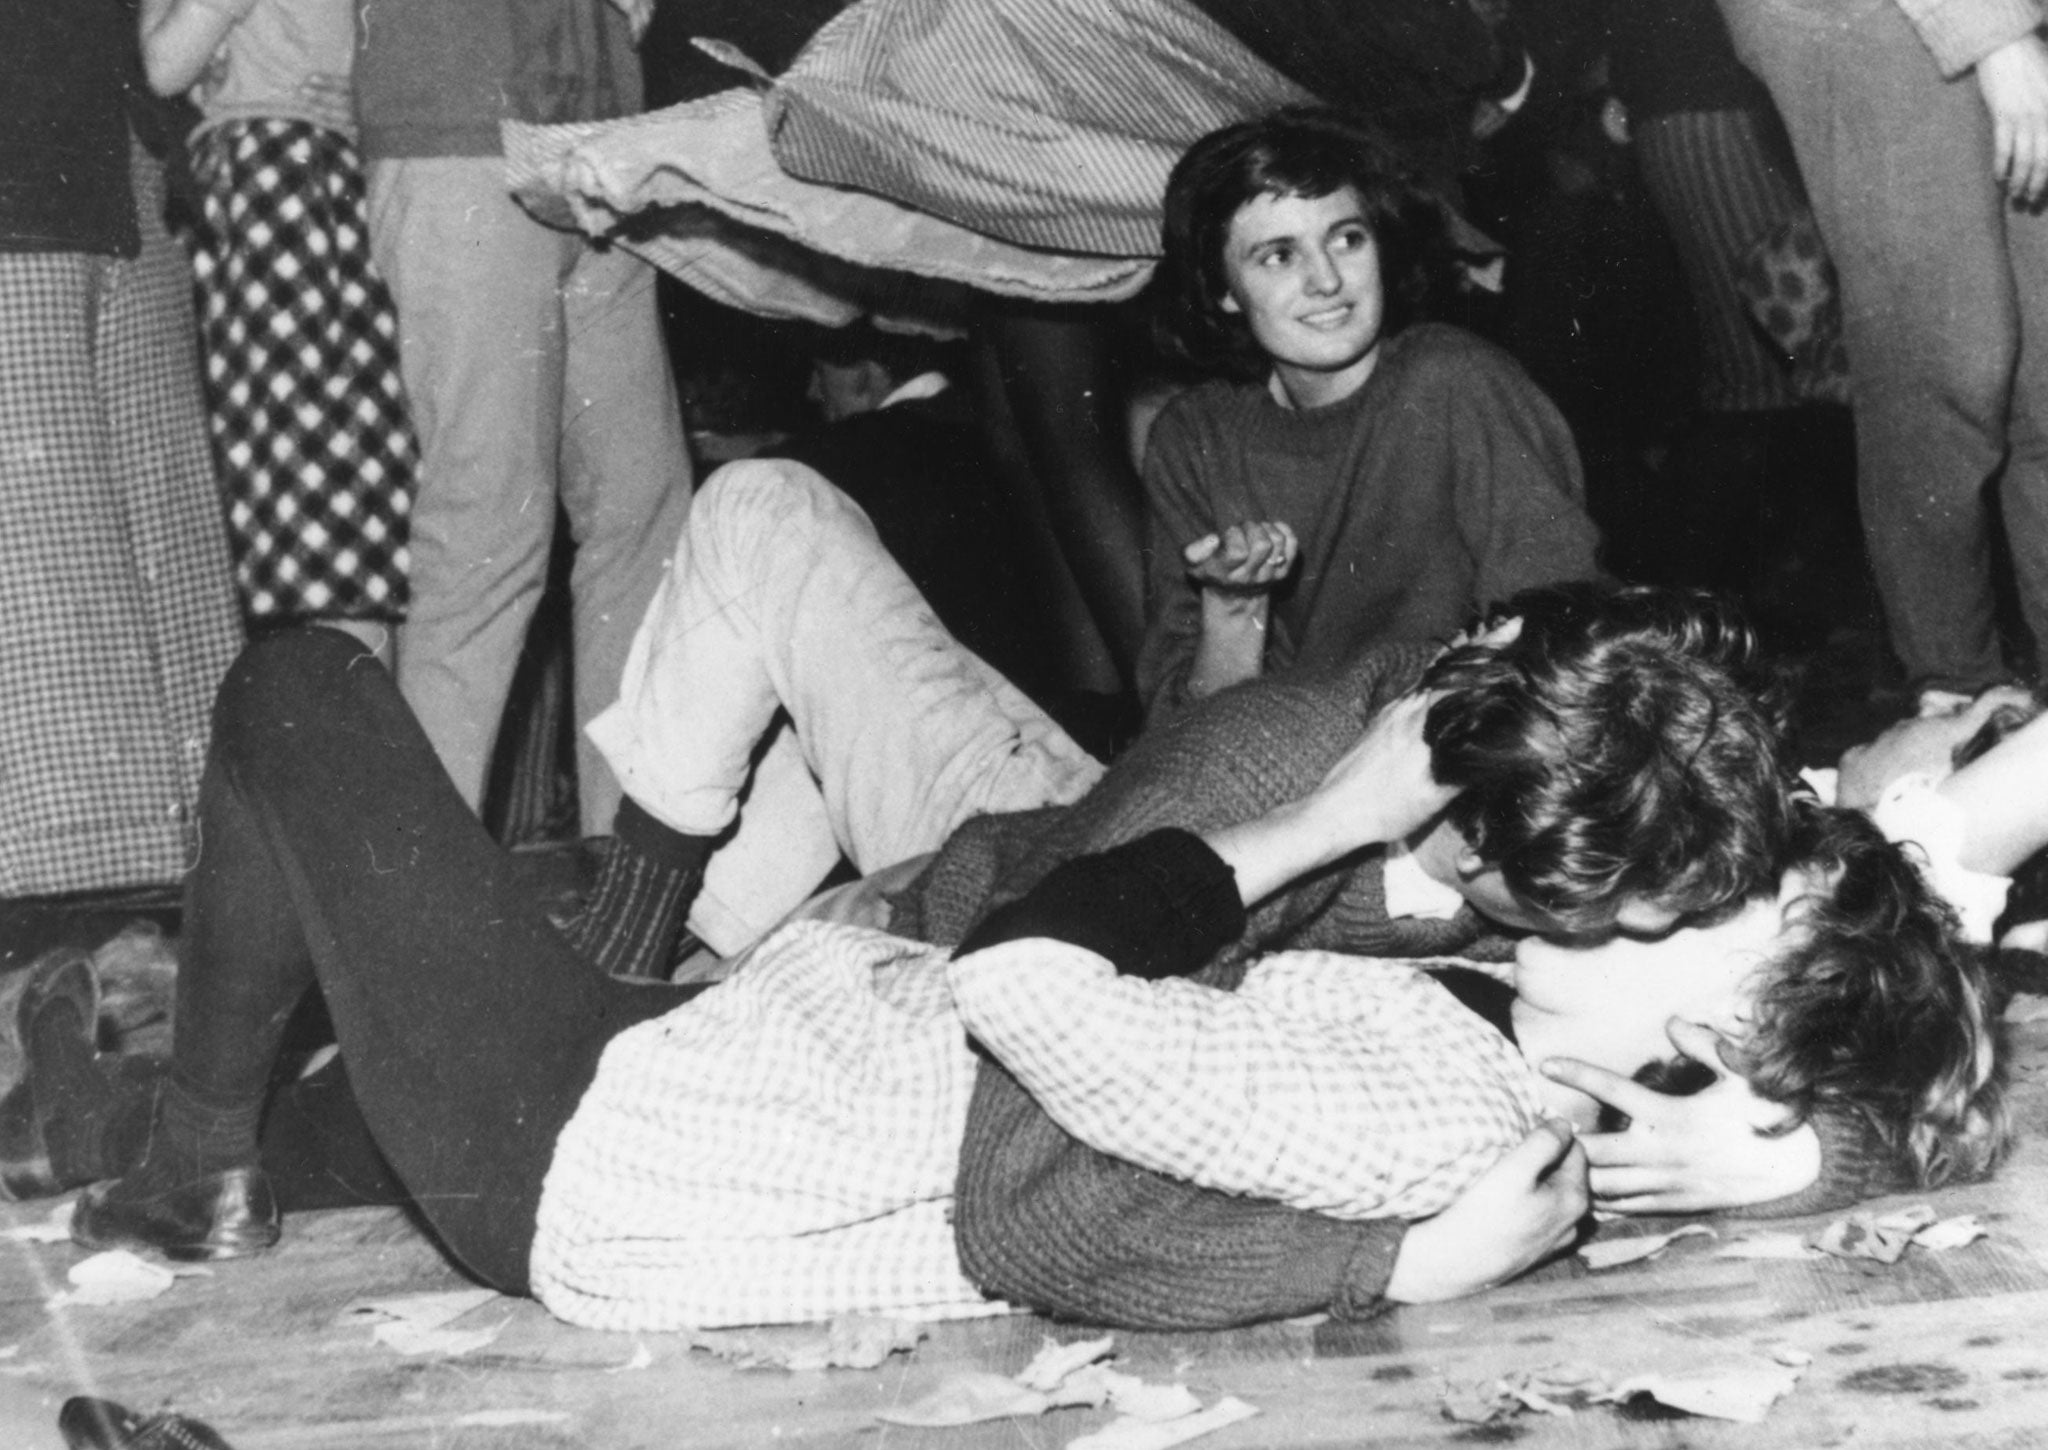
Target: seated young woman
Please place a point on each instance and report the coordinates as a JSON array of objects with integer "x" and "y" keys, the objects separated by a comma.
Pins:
[
  {"x": 594, "y": 1141},
  {"x": 1354, "y": 474}
]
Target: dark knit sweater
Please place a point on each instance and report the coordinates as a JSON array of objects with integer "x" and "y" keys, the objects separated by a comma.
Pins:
[
  {"x": 1444, "y": 484},
  {"x": 1042, "y": 1220},
  {"x": 1236, "y": 756}
]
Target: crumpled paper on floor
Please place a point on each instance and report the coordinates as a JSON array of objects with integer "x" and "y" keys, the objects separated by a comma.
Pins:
[
  {"x": 851, "y": 1341},
  {"x": 418, "y": 1323},
  {"x": 117, "y": 1277},
  {"x": 1062, "y": 1376},
  {"x": 1742, "y": 1390},
  {"x": 1612, "y": 1253},
  {"x": 1884, "y": 1238}
]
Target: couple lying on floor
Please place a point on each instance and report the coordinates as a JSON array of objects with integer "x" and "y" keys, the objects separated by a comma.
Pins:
[{"x": 1106, "y": 1061}]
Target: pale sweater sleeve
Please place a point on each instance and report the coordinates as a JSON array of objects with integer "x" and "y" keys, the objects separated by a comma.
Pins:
[{"x": 1962, "y": 32}]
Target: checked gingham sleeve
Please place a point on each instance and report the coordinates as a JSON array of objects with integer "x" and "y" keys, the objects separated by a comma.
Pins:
[{"x": 1344, "y": 1086}]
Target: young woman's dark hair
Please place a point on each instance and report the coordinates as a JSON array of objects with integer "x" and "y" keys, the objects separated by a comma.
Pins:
[
  {"x": 1877, "y": 1007},
  {"x": 1306, "y": 151}
]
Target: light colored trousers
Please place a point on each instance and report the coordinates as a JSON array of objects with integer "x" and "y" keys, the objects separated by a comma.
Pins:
[
  {"x": 1945, "y": 316},
  {"x": 534, "y": 365},
  {"x": 782, "y": 598}
]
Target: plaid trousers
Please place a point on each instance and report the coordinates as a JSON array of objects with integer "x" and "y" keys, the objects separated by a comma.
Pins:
[{"x": 113, "y": 565}]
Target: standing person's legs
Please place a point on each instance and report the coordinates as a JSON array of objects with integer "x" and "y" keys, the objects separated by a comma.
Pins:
[
  {"x": 478, "y": 286},
  {"x": 336, "y": 847},
  {"x": 625, "y": 481},
  {"x": 2023, "y": 490},
  {"x": 781, "y": 597},
  {"x": 1896, "y": 163}
]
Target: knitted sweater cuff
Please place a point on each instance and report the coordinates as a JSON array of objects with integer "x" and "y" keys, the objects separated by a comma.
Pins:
[
  {"x": 1962, "y": 32},
  {"x": 1362, "y": 1291}
]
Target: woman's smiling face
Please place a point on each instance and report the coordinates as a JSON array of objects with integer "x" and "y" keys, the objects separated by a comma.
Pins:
[
  {"x": 1304, "y": 273},
  {"x": 1607, "y": 1003}
]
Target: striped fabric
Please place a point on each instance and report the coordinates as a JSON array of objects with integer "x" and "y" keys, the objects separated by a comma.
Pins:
[
  {"x": 744, "y": 232},
  {"x": 1715, "y": 180},
  {"x": 310, "y": 430},
  {"x": 113, "y": 565},
  {"x": 1047, "y": 123},
  {"x": 1340, "y": 1085}
]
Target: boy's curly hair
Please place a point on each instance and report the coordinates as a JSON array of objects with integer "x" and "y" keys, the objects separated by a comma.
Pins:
[
  {"x": 1627, "y": 743},
  {"x": 1307, "y": 151},
  {"x": 1878, "y": 1008}
]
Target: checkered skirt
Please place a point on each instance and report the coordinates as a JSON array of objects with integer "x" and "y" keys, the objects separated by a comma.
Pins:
[{"x": 314, "y": 446}]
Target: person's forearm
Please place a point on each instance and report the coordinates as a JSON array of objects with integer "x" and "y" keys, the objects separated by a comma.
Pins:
[
  {"x": 2003, "y": 796},
  {"x": 1231, "y": 647},
  {"x": 179, "y": 38}
]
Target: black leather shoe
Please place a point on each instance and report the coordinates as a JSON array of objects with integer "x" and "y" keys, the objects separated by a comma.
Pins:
[
  {"x": 62, "y": 975},
  {"x": 90, "y": 1424},
  {"x": 227, "y": 1215}
]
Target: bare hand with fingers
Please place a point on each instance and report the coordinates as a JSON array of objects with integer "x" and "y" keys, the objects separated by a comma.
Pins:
[
  {"x": 1522, "y": 1210},
  {"x": 2013, "y": 80},
  {"x": 1718, "y": 1148},
  {"x": 1243, "y": 558}
]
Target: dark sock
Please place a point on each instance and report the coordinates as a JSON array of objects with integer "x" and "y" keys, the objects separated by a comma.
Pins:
[
  {"x": 195, "y": 1135},
  {"x": 629, "y": 926}
]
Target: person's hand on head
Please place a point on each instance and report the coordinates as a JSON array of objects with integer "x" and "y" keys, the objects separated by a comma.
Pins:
[
  {"x": 1712, "y": 1150},
  {"x": 2013, "y": 80},
  {"x": 1519, "y": 1212},
  {"x": 1383, "y": 788},
  {"x": 1924, "y": 744},
  {"x": 1243, "y": 558}
]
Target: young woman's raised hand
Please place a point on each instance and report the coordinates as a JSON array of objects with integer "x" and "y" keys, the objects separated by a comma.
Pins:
[{"x": 1244, "y": 557}]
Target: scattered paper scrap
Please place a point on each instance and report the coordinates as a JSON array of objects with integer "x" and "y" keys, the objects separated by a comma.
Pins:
[
  {"x": 1611, "y": 1253},
  {"x": 1065, "y": 1376},
  {"x": 1884, "y": 1238},
  {"x": 1552, "y": 1390},
  {"x": 1134, "y": 1399},
  {"x": 642, "y": 1357},
  {"x": 1743, "y": 1393},
  {"x": 1767, "y": 1246},
  {"x": 968, "y": 1398},
  {"x": 418, "y": 1323},
  {"x": 1055, "y": 1361},
  {"x": 851, "y": 1341},
  {"x": 56, "y": 1229},
  {"x": 1132, "y": 1433},
  {"x": 117, "y": 1277},
  {"x": 1950, "y": 1233}
]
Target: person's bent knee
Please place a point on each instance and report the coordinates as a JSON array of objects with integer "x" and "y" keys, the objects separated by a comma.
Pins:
[
  {"x": 284, "y": 674},
  {"x": 769, "y": 503}
]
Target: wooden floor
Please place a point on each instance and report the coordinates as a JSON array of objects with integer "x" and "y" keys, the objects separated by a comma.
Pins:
[{"x": 1937, "y": 1350}]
